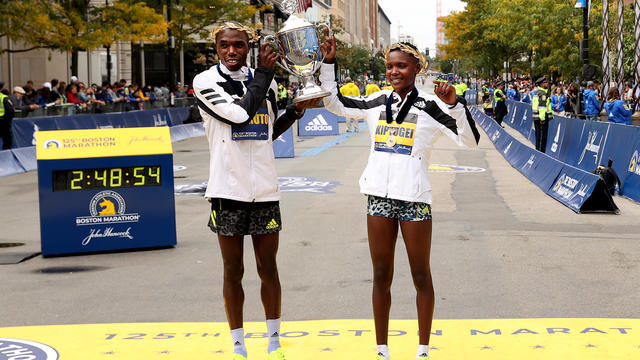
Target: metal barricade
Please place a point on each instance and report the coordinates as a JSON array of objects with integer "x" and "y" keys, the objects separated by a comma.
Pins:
[{"x": 121, "y": 106}]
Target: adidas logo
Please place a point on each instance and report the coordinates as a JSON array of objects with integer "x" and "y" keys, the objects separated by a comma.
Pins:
[
  {"x": 275, "y": 334},
  {"x": 423, "y": 355},
  {"x": 318, "y": 124},
  {"x": 380, "y": 354},
  {"x": 273, "y": 224},
  {"x": 237, "y": 343}
]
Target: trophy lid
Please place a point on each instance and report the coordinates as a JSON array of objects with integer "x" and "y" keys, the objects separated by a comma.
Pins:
[{"x": 294, "y": 22}]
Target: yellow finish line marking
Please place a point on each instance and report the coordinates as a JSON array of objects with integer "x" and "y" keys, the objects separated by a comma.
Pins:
[{"x": 521, "y": 339}]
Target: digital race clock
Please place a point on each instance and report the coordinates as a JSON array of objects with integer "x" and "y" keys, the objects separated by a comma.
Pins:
[
  {"x": 105, "y": 189},
  {"x": 106, "y": 178}
]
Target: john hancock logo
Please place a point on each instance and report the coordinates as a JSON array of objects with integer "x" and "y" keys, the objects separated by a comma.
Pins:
[
  {"x": 23, "y": 349},
  {"x": 634, "y": 167},
  {"x": 107, "y": 208}
]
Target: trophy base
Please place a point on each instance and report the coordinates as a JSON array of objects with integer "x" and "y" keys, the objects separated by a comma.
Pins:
[{"x": 310, "y": 93}]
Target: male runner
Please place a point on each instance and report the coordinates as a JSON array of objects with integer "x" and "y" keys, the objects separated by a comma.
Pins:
[{"x": 238, "y": 107}]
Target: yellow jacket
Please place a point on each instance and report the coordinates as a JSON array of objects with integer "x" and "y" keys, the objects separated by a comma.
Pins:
[
  {"x": 350, "y": 89},
  {"x": 371, "y": 88}
]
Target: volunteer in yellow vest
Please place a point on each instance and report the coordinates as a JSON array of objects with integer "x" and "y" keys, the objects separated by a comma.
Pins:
[
  {"x": 6, "y": 116},
  {"x": 541, "y": 106},
  {"x": 500, "y": 107},
  {"x": 350, "y": 89},
  {"x": 461, "y": 88},
  {"x": 371, "y": 88},
  {"x": 282, "y": 96}
]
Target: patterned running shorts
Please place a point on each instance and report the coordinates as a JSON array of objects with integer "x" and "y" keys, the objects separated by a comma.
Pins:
[
  {"x": 398, "y": 209},
  {"x": 232, "y": 218}
]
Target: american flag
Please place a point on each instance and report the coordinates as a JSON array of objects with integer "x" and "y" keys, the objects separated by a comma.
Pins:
[{"x": 303, "y": 5}]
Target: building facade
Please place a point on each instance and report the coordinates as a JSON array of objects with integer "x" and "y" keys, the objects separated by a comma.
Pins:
[{"x": 364, "y": 22}]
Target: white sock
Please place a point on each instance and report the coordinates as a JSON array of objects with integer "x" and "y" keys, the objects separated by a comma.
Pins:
[
  {"x": 273, "y": 328},
  {"x": 383, "y": 350},
  {"x": 237, "y": 335},
  {"x": 423, "y": 352}
]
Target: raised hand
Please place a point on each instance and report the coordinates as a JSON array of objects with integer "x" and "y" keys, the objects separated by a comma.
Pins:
[
  {"x": 446, "y": 93},
  {"x": 328, "y": 48},
  {"x": 267, "y": 56}
]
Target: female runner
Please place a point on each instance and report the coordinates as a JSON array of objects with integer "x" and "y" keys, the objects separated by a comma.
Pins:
[{"x": 404, "y": 123}]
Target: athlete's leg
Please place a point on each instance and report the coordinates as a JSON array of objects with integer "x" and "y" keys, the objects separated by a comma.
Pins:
[
  {"x": 232, "y": 249},
  {"x": 417, "y": 239},
  {"x": 266, "y": 248},
  {"x": 382, "y": 233}
]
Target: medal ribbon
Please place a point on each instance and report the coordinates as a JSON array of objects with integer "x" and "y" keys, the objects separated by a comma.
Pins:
[
  {"x": 413, "y": 96},
  {"x": 237, "y": 86}
]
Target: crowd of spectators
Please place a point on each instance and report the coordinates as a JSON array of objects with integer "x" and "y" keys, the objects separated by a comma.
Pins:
[
  {"x": 76, "y": 93},
  {"x": 565, "y": 97}
]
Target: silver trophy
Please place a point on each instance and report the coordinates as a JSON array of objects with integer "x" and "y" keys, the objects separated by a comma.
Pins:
[{"x": 299, "y": 50}]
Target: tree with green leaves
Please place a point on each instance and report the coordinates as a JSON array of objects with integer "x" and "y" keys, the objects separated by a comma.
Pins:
[
  {"x": 535, "y": 37},
  {"x": 73, "y": 25}
]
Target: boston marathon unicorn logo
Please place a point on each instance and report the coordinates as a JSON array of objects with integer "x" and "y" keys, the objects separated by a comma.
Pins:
[
  {"x": 52, "y": 143},
  {"x": 25, "y": 349},
  {"x": 108, "y": 207}
]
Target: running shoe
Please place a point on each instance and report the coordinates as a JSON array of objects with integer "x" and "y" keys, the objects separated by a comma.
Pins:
[
  {"x": 238, "y": 357},
  {"x": 423, "y": 357},
  {"x": 276, "y": 354}
]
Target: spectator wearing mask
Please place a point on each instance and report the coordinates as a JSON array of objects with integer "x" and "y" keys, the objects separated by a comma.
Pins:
[
  {"x": 618, "y": 111},
  {"x": 591, "y": 102},
  {"x": 558, "y": 102}
]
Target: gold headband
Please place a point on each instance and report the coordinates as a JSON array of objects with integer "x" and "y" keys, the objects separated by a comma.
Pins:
[
  {"x": 251, "y": 34},
  {"x": 424, "y": 64}
]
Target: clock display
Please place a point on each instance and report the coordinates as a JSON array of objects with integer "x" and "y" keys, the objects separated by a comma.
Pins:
[{"x": 106, "y": 178}]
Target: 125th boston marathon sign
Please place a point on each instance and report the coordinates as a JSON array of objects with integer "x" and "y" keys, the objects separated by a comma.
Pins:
[{"x": 107, "y": 189}]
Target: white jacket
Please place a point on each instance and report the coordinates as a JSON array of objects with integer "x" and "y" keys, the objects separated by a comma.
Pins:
[
  {"x": 400, "y": 172},
  {"x": 241, "y": 170}
]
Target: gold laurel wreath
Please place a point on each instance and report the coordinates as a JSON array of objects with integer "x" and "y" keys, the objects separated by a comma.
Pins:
[
  {"x": 251, "y": 33},
  {"x": 424, "y": 64}
]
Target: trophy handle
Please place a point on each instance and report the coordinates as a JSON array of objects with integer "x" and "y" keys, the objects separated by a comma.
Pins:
[
  {"x": 274, "y": 41},
  {"x": 330, "y": 34}
]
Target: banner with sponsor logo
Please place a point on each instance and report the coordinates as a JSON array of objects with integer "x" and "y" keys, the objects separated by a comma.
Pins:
[
  {"x": 631, "y": 185},
  {"x": 24, "y": 129},
  {"x": 580, "y": 190},
  {"x": 318, "y": 122},
  {"x": 584, "y": 144},
  {"x": 283, "y": 146}
]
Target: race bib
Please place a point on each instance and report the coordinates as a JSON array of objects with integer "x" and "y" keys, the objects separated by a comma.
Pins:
[
  {"x": 394, "y": 137},
  {"x": 257, "y": 129}
]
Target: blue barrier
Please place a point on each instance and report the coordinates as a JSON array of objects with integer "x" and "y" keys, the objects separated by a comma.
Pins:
[
  {"x": 471, "y": 96},
  {"x": 580, "y": 190},
  {"x": 318, "y": 122},
  {"x": 9, "y": 165},
  {"x": 283, "y": 146},
  {"x": 26, "y": 157},
  {"x": 586, "y": 145}
]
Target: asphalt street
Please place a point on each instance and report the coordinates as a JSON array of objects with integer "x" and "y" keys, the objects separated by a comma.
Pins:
[{"x": 501, "y": 249}]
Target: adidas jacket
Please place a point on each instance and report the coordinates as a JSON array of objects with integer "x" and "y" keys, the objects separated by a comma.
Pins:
[
  {"x": 400, "y": 172},
  {"x": 239, "y": 123}
]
